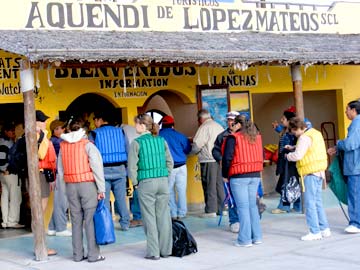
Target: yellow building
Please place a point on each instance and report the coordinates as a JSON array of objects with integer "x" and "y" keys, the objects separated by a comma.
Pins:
[{"x": 175, "y": 59}]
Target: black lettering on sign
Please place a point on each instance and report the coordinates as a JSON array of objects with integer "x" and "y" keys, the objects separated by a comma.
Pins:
[{"x": 64, "y": 15}]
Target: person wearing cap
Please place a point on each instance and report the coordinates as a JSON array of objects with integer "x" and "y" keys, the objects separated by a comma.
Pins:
[
  {"x": 286, "y": 138},
  {"x": 10, "y": 183},
  {"x": 47, "y": 160},
  {"x": 211, "y": 180},
  {"x": 180, "y": 147},
  {"x": 113, "y": 144},
  {"x": 217, "y": 154},
  {"x": 58, "y": 222}
]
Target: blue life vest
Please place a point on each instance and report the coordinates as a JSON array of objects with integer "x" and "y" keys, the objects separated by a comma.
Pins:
[{"x": 112, "y": 145}]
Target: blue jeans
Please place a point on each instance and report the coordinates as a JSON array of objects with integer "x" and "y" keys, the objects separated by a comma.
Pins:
[
  {"x": 315, "y": 214},
  {"x": 233, "y": 216},
  {"x": 178, "y": 180},
  {"x": 354, "y": 200},
  {"x": 115, "y": 180},
  {"x": 244, "y": 191},
  {"x": 135, "y": 206},
  {"x": 58, "y": 221}
]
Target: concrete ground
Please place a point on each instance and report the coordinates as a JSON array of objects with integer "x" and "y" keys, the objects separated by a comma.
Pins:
[{"x": 281, "y": 248}]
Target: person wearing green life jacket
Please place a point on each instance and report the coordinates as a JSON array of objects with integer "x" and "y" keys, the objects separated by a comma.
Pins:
[{"x": 149, "y": 166}]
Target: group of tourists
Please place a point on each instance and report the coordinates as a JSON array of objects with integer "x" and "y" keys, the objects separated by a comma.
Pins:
[{"x": 89, "y": 165}]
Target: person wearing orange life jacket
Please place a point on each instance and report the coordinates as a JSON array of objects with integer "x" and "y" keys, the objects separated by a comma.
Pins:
[
  {"x": 242, "y": 163},
  {"x": 80, "y": 166}
]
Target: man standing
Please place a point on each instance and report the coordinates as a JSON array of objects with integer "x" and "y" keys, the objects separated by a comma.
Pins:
[
  {"x": 179, "y": 146},
  {"x": 10, "y": 183},
  {"x": 351, "y": 148},
  {"x": 216, "y": 152},
  {"x": 112, "y": 144},
  {"x": 211, "y": 179},
  {"x": 131, "y": 134}
]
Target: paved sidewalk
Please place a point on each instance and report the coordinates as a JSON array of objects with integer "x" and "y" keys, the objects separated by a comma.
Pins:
[{"x": 281, "y": 249}]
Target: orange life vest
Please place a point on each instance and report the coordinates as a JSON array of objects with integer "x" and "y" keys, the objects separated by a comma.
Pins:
[
  {"x": 248, "y": 157},
  {"x": 76, "y": 162},
  {"x": 49, "y": 161}
]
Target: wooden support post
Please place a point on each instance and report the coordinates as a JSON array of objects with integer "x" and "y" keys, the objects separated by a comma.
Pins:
[
  {"x": 37, "y": 221},
  {"x": 297, "y": 88},
  {"x": 299, "y": 104}
]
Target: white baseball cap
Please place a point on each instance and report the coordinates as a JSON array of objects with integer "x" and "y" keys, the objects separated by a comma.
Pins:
[{"x": 232, "y": 114}]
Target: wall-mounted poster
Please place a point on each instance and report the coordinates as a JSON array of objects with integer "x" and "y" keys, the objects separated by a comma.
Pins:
[
  {"x": 216, "y": 100},
  {"x": 240, "y": 101}
]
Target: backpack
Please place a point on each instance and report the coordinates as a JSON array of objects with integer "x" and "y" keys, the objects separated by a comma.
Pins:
[
  {"x": 183, "y": 242},
  {"x": 18, "y": 159}
]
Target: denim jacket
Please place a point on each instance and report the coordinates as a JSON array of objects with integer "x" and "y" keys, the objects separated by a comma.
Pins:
[{"x": 351, "y": 148}]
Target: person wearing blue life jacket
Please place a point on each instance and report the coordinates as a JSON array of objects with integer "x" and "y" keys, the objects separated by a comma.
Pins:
[
  {"x": 351, "y": 166},
  {"x": 112, "y": 144},
  {"x": 179, "y": 146}
]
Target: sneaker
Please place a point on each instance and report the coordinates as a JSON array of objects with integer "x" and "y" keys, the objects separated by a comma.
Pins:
[
  {"x": 237, "y": 244},
  {"x": 208, "y": 215},
  {"x": 278, "y": 211},
  {"x": 326, "y": 233},
  {"x": 51, "y": 232},
  {"x": 311, "y": 236},
  {"x": 235, "y": 227},
  {"x": 257, "y": 242},
  {"x": 352, "y": 229},
  {"x": 64, "y": 233},
  {"x": 124, "y": 229}
]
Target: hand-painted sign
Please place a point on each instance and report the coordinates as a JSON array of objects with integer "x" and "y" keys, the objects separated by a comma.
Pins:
[
  {"x": 177, "y": 15},
  {"x": 9, "y": 75}
]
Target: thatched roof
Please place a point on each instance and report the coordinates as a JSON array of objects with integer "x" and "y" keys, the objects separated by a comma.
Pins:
[{"x": 183, "y": 47}]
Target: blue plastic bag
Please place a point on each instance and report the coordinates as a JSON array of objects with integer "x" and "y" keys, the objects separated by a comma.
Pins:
[{"x": 104, "y": 226}]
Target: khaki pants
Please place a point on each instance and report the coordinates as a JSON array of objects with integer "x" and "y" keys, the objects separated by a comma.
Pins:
[
  {"x": 10, "y": 199},
  {"x": 82, "y": 203},
  {"x": 154, "y": 204}
]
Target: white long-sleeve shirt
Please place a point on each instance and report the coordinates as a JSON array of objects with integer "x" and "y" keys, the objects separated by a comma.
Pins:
[{"x": 303, "y": 144}]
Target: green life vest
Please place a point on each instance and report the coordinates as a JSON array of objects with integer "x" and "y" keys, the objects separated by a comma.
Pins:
[{"x": 152, "y": 157}]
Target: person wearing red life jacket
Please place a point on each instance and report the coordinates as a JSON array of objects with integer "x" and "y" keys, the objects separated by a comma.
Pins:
[
  {"x": 242, "y": 164},
  {"x": 80, "y": 166}
]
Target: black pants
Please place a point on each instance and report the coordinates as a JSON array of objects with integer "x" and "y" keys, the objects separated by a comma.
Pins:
[{"x": 213, "y": 187}]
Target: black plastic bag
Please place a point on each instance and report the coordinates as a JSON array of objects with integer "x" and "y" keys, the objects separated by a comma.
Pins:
[{"x": 183, "y": 242}]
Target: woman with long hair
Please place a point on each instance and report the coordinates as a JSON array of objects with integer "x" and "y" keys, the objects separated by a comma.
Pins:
[
  {"x": 149, "y": 165},
  {"x": 242, "y": 163}
]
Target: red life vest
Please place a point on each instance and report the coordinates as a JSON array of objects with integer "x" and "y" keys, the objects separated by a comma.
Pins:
[
  {"x": 49, "y": 161},
  {"x": 76, "y": 162},
  {"x": 248, "y": 157}
]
